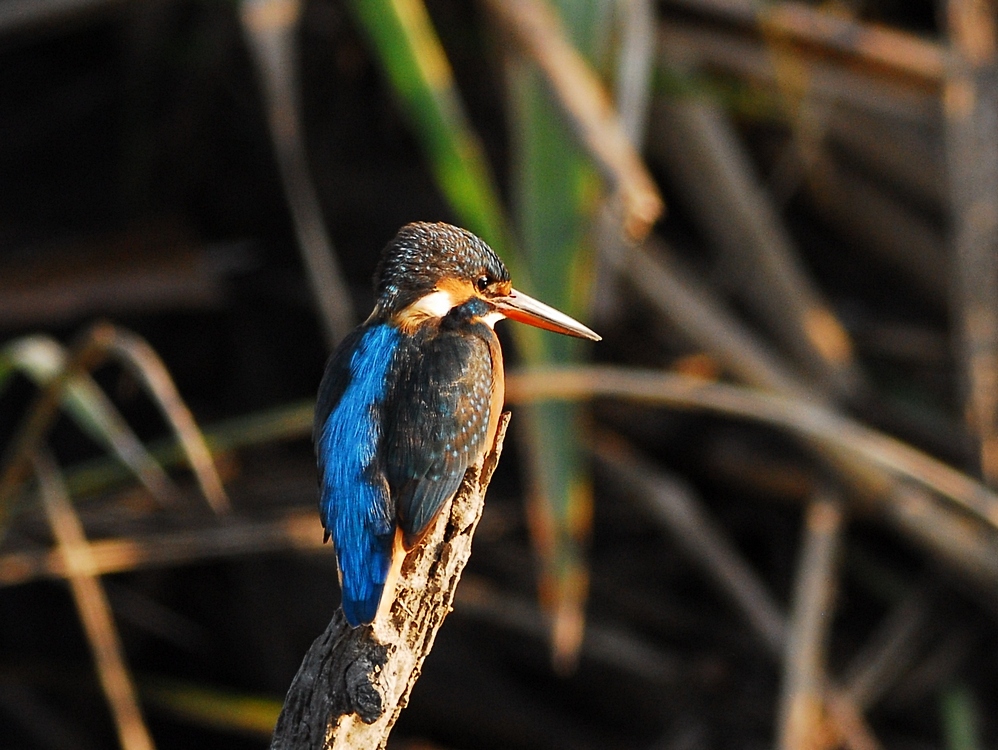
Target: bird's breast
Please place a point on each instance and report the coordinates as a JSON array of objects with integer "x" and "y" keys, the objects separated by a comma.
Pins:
[{"x": 497, "y": 396}]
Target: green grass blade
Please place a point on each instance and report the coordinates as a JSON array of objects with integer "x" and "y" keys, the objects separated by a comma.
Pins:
[
  {"x": 287, "y": 422},
  {"x": 556, "y": 193},
  {"x": 410, "y": 53},
  {"x": 214, "y": 707},
  {"x": 961, "y": 719}
]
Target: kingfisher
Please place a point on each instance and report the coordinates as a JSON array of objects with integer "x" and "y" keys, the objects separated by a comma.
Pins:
[{"x": 410, "y": 399}]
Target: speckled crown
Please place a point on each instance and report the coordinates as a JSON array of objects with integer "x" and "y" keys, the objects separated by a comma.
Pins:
[{"x": 423, "y": 253}]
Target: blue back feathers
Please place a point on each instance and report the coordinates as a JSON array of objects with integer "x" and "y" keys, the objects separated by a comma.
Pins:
[{"x": 355, "y": 504}]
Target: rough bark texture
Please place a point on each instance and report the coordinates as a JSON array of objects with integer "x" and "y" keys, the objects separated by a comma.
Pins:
[{"x": 354, "y": 683}]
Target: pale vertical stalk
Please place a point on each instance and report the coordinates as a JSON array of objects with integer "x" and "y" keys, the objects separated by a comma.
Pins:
[
  {"x": 633, "y": 89},
  {"x": 94, "y": 609},
  {"x": 270, "y": 27},
  {"x": 802, "y": 718},
  {"x": 635, "y": 63},
  {"x": 970, "y": 103}
]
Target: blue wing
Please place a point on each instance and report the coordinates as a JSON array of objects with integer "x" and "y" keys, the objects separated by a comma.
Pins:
[
  {"x": 354, "y": 500},
  {"x": 436, "y": 421}
]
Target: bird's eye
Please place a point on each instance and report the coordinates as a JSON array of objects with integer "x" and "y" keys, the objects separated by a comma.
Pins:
[{"x": 482, "y": 283}]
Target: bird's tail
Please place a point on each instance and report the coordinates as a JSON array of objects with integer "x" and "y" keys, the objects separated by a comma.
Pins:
[{"x": 363, "y": 579}]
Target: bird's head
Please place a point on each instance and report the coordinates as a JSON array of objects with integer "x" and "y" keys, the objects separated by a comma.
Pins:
[{"x": 429, "y": 271}]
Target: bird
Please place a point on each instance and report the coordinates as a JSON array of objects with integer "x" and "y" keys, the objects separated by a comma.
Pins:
[{"x": 410, "y": 399}]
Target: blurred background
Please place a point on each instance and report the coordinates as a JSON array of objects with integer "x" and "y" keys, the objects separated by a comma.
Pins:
[{"x": 758, "y": 514}]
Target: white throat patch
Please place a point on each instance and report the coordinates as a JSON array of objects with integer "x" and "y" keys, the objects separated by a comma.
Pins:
[{"x": 491, "y": 318}]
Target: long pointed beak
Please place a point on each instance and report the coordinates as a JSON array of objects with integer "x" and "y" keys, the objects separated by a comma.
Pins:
[{"x": 518, "y": 306}]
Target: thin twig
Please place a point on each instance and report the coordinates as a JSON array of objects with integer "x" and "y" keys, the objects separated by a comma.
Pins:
[
  {"x": 673, "y": 503},
  {"x": 17, "y": 459},
  {"x": 969, "y": 547},
  {"x": 94, "y": 609},
  {"x": 538, "y": 32},
  {"x": 707, "y": 545},
  {"x": 270, "y": 28},
  {"x": 801, "y": 714},
  {"x": 100, "y": 341}
]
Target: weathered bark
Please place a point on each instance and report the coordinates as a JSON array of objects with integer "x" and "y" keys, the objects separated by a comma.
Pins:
[{"x": 354, "y": 683}]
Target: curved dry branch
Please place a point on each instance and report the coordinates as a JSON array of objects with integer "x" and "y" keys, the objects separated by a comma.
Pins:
[
  {"x": 135, "y": 352},
  {"x": 804, "y": 418},
  {"x": 42, "y": 359},
  {"x": 354, "y": 682}
]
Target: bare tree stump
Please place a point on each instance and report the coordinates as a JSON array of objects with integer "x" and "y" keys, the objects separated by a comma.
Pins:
[{"x": 354, "y": 683}]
